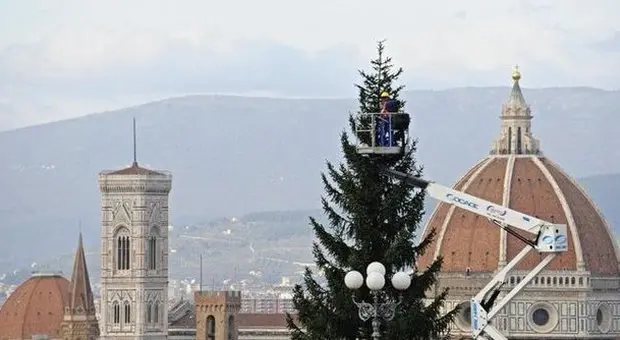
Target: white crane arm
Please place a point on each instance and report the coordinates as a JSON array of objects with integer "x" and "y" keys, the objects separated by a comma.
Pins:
[{"x": 550, "y": 238}]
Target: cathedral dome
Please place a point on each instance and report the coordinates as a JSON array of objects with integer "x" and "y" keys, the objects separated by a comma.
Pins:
[
  {"x": 35, "y": 308},
  {"x": 536, "y": 186},
  {"x": 518, "y": 176}
]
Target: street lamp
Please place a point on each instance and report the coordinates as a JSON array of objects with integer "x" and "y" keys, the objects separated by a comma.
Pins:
[{"x": 375, "y": 281}]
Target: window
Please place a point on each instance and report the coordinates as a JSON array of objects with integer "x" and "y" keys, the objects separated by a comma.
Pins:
[
  {"x": 127, "y": 313},
  {"x": 519, "y": 149},
  {"x": 210, "y": 327},
  {"x": 152, "y": 253},
  {"x": 122, "y": 249},
  {"x": 540, "y": 317},
  {"x": 116, "y": 313},
  {"x": 231, "y": 328},
  {"x": 509, "y": 140},
  {"x": 156, "y": 312},
  {"x": 543, "y": 317},
  {"x": 149, "y": 317},
  {"x": 463, "y": 316},
  {"x": 151, "y": 249}
]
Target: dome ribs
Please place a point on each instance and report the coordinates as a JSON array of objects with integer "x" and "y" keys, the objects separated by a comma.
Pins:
[
  {"x": 470, "y": 240},
  {"x": 532, "y": 194},
  {"x": 597, "y": 243},
  {"x": 438, "y": 217}
]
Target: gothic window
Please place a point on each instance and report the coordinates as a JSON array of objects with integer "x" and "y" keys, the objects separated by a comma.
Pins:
[
  {"x": 156, "y": 312},
  {"x": 116, "y": 312},
  {"x": 149, "y": 318},
  {"x": 231, "y": 328},
  {"x": 127, "y": 312},
  {"x": 152, "y": 249},
  {"x": 122, "y": 246},
  {"x": 519, "y": 149},
  {"x": 509, "y": 140},
  {"x": 210, "y": 327}
]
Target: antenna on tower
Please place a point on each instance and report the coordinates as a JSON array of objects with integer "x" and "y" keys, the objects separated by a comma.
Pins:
[
  {"x": 200, "y": 273},
  {"x": 135, "y": 152}
]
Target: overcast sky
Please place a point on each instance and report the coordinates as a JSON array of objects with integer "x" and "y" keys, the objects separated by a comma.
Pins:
[{"x": 64, "y": 58}]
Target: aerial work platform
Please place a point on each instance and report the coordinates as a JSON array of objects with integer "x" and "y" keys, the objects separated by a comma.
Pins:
[{"x": 382, "y": 133}]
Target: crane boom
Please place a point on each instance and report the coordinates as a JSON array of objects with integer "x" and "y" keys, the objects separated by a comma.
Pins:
[{"x": 549, "y": 238}]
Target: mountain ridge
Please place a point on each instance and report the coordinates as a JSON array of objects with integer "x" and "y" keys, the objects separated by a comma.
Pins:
[
  {"x": 344, "y": 98},
  {"x": 230, "y": 155}
]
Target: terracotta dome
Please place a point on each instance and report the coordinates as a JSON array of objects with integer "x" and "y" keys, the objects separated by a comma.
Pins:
[
  {"x": 533, "y": 185},
  {"x": 577, "y": 295},
  {"x": 517, "y": 175},
  {"x": 36, "y": 307}
]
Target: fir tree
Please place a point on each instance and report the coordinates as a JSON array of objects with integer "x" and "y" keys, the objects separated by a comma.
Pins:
[{"x": 371, "y": 217}]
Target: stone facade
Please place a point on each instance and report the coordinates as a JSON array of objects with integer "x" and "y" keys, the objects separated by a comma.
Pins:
[
  {"x": 554, "y": 305},
  {"x": 134, "y": 254}
]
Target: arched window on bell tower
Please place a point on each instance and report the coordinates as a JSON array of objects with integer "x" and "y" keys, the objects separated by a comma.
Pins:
[
  {"x": 127, "y": 313},
  {"x": 153, "y": 248},
  {"x": 149, "y": 313},
  {"x": 116, "y": 313},
  {"x": 210, "y": 327},
  {"x": 122, "y": 245},
  {"x": 231, "y": 328}
]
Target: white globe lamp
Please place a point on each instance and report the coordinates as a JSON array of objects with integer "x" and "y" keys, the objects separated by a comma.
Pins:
[
  {"x": 401, "y": 281},
  {"x": 354, "y": 279},
  {"x": 375, "y": 281},
  {"x": 375, "y": 267}
]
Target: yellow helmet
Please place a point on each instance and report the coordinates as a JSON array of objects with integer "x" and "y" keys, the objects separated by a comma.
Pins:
[{"x": 385, "y": 95}]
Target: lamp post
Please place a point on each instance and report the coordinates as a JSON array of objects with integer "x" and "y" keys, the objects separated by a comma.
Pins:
[{"x": 375, "y": 281}]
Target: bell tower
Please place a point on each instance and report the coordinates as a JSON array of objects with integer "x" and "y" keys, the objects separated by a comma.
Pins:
[
  {"x": 134, "y": 253},
  {"x": 216, "y": 314},
  {"x": 516, "y": 136}
]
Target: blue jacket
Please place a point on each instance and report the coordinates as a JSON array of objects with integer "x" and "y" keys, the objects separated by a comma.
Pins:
[{"x": 392, "y": 105}]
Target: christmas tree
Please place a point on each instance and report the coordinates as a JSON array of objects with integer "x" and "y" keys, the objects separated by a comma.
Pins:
[{"x": 371, "y": 217}]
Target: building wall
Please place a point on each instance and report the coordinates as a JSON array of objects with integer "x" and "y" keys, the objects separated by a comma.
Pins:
[
  {"x": 134, "y": 207},
  {"x": 554, "y": 305},
  {"x": 267, "y": 304}
]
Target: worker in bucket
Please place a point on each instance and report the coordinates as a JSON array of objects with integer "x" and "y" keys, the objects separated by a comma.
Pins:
[{"x": 384, "y": 129}]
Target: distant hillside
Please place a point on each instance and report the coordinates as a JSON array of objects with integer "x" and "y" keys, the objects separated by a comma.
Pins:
[{"x": 233, "y": 155}]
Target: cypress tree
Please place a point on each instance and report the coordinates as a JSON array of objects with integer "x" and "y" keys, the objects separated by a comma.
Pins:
[{"x": 371, "y": 217}]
